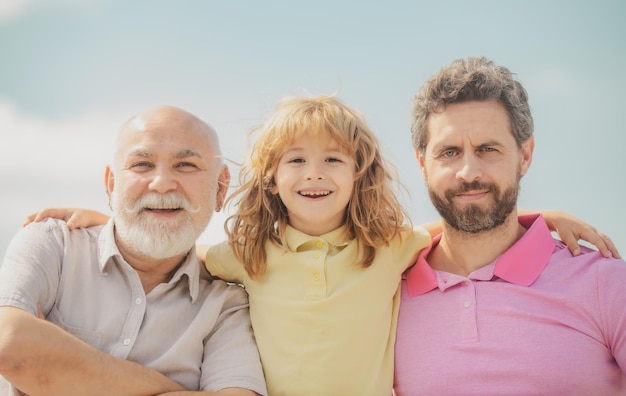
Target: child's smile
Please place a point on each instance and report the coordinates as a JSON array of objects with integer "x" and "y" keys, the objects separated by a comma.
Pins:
[{"x": 314, "y": 180}]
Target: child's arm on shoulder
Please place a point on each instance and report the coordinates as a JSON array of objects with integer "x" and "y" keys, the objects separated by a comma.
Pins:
[
  {"x": 434, "y": 228},
  {"x": 74, "y": 217},
  {"x": 570, "y": 230}
]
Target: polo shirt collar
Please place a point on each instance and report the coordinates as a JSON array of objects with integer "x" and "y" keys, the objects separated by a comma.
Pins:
[
  {"x": 521, "y": 264},
  {"x": 108, "y": 250},
  {"x": 338, "y": 238}
]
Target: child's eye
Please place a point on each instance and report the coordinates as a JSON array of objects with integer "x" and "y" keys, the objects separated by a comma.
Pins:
[
  {"x": 333, "y": 159},
  {"x": 296, "y": 160}
]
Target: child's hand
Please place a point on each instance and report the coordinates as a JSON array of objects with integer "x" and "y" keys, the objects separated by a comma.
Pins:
[
  {"x": 571, "y": 229},
  {"x": 74, "y": 217}
]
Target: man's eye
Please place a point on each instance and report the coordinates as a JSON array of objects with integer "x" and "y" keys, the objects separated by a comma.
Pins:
[
  {"x": 448, "y": 154},
  {"x": 186, "y": 165},
  {"x": 488, "y": 150},
  {"x": 140, "y": 166}
]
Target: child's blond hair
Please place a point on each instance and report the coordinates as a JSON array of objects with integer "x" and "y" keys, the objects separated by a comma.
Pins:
[{"x": 373, "y": 216}]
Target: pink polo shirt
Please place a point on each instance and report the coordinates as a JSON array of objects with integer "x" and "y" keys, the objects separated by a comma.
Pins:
[{"x": 536, "y": 321}]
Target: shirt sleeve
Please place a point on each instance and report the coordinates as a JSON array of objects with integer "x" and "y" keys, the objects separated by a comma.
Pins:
[
  {"x": 231, "y": 357},
  {"x": 412, "y": 243},
  {"x": 612, "y": 302},
  {"x": 30, "y": 272},
  {"x": 222, "y": 263}
]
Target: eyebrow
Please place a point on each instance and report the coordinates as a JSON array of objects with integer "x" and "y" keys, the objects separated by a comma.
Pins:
[
  {"x": 186, "y": 153},
  {"x": 489, "y": 143}
]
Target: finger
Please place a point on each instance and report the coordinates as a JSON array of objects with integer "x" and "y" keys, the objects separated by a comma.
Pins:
[
  {"x": 597, "y": 239},
  {"x": 71, "y": 222},
  {"x": 611, "y": 246},
  {"x": 572, "y": 243},
  {"x": 29, "y": 219},
  {"x": 40, "y": 217}
]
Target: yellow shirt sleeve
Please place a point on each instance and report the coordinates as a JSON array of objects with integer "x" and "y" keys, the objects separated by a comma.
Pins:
[
  {"x": 222, "y": 263},
  {"x": 412, "y": 242}
]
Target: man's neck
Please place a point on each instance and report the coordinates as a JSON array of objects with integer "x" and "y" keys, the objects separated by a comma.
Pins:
[
  {"x": 462, "y": 253},
  {"x": 151, "y": 271}
]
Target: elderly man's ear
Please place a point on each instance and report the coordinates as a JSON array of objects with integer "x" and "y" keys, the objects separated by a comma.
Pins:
[
  {"x": 109, "y": 183},
  {"x": 222, "y": 188}
]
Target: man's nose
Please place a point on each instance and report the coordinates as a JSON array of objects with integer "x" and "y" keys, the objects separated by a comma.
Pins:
[
  {"x": 470, "y": 169},
  {"x": 163, "y": 181}
]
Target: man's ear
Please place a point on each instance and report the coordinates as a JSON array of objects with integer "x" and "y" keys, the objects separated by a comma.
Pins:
[
  {"x": 109, "y": 181},
  {"x": 527, "y": 155},
  {"x": 421, "y": 159},
  {"x": 223, "y": 182}
]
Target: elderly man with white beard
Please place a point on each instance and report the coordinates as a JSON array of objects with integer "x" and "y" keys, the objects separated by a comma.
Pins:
[{"x": 128, "y": 309}]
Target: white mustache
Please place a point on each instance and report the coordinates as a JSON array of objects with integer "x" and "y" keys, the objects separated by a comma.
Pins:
[{"x": 154, "y": 200}]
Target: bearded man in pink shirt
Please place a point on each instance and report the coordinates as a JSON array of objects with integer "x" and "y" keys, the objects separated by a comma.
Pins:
[{"x": 496, "y": 306}]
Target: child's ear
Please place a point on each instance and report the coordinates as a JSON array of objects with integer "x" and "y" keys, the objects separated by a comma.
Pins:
[{"x": 271, "y": 186}]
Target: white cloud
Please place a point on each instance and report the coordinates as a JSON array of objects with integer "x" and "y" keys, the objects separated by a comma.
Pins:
[
  {"x": 69, "y": 146},
  {"x": 11, "y": 9}
]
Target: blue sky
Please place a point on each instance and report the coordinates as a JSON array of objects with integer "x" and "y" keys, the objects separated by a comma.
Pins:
[{"x": 71, "y": 72}]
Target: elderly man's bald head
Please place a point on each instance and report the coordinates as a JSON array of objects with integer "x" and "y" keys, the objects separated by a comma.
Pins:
[{"x": 167, "y": 118}]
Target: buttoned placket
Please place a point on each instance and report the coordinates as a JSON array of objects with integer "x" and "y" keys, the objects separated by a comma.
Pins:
[
  {"x": 135, "y": 316},
  {"x": 315, "y": 253},
  {"x": 467, "y": 299},
  {"x": 466, "y": 291}
]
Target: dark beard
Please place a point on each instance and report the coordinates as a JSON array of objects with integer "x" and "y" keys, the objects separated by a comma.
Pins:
[{"x": 474, "y": 219}]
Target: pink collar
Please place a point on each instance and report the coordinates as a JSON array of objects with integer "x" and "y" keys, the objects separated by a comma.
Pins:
[{"x": 521, "y": 264}]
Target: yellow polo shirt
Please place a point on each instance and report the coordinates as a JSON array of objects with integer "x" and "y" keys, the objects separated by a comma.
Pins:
[{"x": 324, "y": 325}]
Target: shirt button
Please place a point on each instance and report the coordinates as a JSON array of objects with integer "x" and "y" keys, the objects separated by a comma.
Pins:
[
  {"x": 319, "y": 244},
  {"x": 127, "y": 342},
  {"x": 316, "y": 255},
  {"x": 316, "y": 276},
  {"x": 466, "y": 304},
  {"x": 138, "y": 301}
]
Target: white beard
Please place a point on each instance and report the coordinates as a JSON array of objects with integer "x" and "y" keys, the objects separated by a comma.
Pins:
[{"x": 158, "y": 239}]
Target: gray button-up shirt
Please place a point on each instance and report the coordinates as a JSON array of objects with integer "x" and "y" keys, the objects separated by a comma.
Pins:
[{"x": 192, "y": 329}]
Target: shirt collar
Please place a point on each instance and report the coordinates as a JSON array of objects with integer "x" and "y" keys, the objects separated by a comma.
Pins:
[
  {"x": 297, "y": 240},
  {"x": 521, "y": 264},
  {"x": 108, "y": 250}
]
